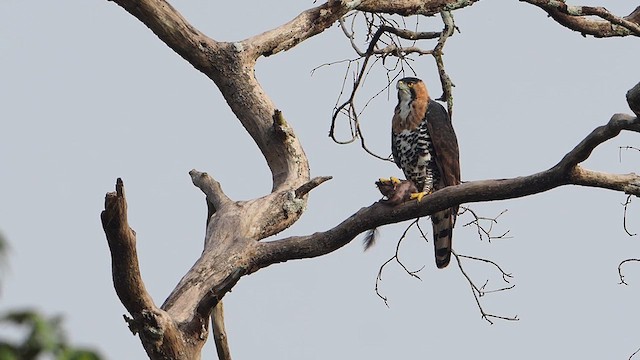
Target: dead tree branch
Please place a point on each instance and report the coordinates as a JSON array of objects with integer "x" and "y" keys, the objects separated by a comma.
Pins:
[
  {"x": 217, "y": 313},
  {"x": 219, "y": 332},
  {"x": 159, "y": 333},
  {"x": 445, "y": 80},
  {"x": 581, "y": 19}
]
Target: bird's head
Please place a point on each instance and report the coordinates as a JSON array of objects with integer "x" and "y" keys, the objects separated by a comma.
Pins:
[{"x": 410, "y": 88}]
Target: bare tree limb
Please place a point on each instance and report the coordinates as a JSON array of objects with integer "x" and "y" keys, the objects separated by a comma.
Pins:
[
  {"x": 312, "y": 184},
  {"x": 159, "y": 334},
  {"x": 220, "y": 333},
  {"x": 210, "y": 187},
  {"x": 445, "y": 80},
  {"x": 217, "y": 313},
  {"x": 579, "y": 18},
  {"x": 230, "y": 66},
  {"x": 124, "y": 259},
  {"x": 601, "y": 134}
]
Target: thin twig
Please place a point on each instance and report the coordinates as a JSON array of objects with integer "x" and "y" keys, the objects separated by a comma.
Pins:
[
  {"x": 505, "y": 275},
  {"x": 622, "y": 282},
  {"x": 483, "y": 231},
  {"x": 396, "y": 257},
  {"x": 624, "y": 216},
  {"x": 620, "y": 148}
]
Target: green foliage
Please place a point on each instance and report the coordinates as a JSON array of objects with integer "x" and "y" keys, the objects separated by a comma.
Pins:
[{"x": 43, "y": 336}]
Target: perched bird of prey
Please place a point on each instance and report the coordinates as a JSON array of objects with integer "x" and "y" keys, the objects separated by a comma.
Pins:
[{"x": 425, "y": 147}]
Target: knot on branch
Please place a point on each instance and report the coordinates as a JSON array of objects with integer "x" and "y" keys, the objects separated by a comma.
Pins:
[
  {"x": 293, "y": 204},
  {"x": 146, "y": 324},
  {"x": 280, "y": 126}
]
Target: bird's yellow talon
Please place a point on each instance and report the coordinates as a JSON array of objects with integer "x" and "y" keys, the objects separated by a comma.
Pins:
[
  {"x": 391, "y": 180},
  {"x": 418, "y": 196}
]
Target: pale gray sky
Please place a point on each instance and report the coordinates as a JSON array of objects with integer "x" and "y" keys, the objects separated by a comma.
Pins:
[{"x": 89, "y": 94}]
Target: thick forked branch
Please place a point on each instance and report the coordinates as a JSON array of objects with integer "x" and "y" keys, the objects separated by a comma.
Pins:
[
  {"x": 124, "y": 259},
  {"x": 159, "y": 334},
  {"x": 566, "y": 172},
  {"x": 231, "y": 69}
]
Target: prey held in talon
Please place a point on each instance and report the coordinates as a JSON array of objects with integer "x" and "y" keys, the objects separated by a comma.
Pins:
[{"x": 391, "y": 180}]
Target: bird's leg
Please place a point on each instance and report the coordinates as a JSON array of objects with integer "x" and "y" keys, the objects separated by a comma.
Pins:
[
  {"x": 419, "y": 195},
  {"x": 428, "y": 190}
]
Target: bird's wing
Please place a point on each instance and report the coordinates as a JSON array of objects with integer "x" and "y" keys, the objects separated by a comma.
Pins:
[
  {"x": 394, "y": 147},
  {"x": 445, "y": 143}
]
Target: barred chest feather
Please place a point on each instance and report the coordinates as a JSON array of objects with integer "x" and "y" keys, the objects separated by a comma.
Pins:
[{"x": 415, "y": 151}]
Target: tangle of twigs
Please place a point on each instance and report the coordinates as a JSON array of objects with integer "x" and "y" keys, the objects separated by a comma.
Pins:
[
  {"x": 385, "y": 31},
  {"x": 484, "y": 230},
  {"x": 480, "y": 291},
  {"x": 412, "y": 273}
]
